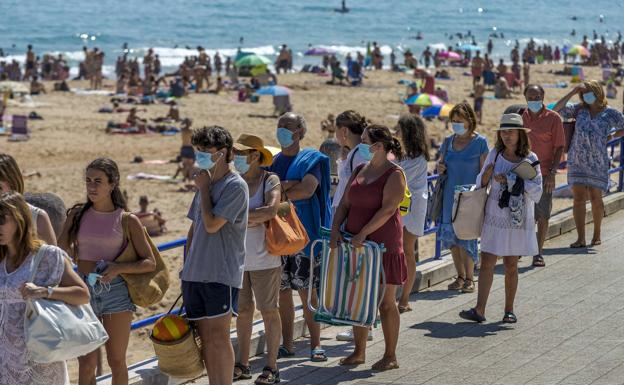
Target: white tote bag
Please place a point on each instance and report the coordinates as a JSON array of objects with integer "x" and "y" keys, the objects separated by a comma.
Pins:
[
  {"x": 469, "y": 213},
  {"x": 56, "y": 331}
]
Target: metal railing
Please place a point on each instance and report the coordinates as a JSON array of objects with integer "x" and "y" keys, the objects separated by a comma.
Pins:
[{"x": 431, "y": 228}]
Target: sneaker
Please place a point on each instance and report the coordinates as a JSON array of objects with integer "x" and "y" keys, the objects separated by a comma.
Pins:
[
  {"x": 347, "y": 335},
  {"x": 469, "y": 286},
  {"x": 457, "y": 285}
]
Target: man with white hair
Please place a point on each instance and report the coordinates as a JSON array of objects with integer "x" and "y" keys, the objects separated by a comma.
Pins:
[{"x": 304, "y": 175}]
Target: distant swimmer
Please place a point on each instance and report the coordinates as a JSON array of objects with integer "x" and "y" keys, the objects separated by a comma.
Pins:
[
  {"x": 574, "y": 18},
  {"x": 573, "y": 33},
  {"x": 601, "y": 18},
  {"x": 344, "y": 8}
]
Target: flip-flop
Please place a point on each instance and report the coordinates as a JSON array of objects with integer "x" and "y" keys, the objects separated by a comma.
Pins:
[
  {"x": 283, "y": 352},
  {"x": 318, "y": 355},
  {"x": 577, "y": 245},
  {"x": 471, "y": 315},
  {"x": 404, "y": 309},
  {"x": 510, "y": 318}
]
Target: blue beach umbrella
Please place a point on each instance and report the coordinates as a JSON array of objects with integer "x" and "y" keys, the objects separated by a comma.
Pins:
[{"x": 274, "y": 91}]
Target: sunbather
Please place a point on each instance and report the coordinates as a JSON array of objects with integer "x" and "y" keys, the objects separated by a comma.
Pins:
[{"x": 152, "y": 220}]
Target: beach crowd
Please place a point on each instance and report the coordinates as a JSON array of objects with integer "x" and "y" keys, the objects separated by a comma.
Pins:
[{"x": 241, "y": 184}]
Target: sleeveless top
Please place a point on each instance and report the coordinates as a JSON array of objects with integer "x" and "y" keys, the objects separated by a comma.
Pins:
[
  {"x": 100, "y": 236},
  {"x": 365, "y": 201}
]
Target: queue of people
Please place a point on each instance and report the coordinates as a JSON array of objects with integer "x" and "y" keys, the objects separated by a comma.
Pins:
[{"x": 240, "y": 184}]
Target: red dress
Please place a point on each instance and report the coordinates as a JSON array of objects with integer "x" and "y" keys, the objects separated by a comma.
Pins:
[{"x": 365, "y": 201}]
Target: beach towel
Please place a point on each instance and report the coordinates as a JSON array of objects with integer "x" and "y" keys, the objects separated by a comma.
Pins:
[
  {"x": 349, "y": 289},
  {"x": 146, "y": 176},
  {"x": 85, "y": 92}
]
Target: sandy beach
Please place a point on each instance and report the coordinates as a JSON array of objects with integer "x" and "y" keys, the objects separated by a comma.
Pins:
[{"x": 72, "y": 134}]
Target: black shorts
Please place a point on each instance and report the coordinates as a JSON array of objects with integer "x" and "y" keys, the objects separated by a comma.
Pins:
[
  {"x": 296, "y": 272},
  {"x": 187, "y": 152},
  {"x": 209, "y": 300}
]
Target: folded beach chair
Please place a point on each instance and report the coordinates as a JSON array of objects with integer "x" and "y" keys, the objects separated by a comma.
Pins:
[
  {"x": 19, "y": 129},
  {"x": 349, "y": 290}
]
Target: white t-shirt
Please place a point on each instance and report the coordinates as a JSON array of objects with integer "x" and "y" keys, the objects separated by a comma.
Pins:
[
  {"x": 345, "y": 169},
  {"x": 256, "y": 255}
]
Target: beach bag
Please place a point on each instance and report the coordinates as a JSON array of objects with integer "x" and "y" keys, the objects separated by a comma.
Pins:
[
  {"x": 145, "y": 288},
  {"x": 469, "y": 210},
  {"x": 285, "y": 234},
  {"x": 180, "y": 358},
  {"x": 350, "y": 279},
  {"x": 405, "y": 205},
  {"x": 56, "y": 331},
  {"x": 436, "y": 198}
]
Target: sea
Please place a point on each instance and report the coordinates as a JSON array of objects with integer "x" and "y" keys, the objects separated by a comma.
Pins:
[{"x": 174, "y": 28}]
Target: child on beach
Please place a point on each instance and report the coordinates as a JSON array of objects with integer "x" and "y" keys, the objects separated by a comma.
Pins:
[{"x": 479, "y": 90}]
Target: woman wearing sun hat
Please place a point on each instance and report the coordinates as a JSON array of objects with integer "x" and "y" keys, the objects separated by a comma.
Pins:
[
  {"x": 262, "y": 276},
  {"x": 509, "y": 226}
]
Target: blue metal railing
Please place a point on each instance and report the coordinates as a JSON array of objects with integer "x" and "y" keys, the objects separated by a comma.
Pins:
[{"x": 431, "y": 228}]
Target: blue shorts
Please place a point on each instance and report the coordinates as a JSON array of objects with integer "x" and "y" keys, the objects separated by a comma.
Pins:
[
  {"x": 111, "y": 299},
  {"x": 208, "y": 300}
]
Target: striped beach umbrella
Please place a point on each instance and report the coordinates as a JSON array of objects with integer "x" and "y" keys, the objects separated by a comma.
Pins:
[{"x": 424, "y": 100}]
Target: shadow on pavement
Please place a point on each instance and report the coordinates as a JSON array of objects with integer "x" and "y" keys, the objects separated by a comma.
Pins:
[
  {"x": 435, "y": 295},
  {"x": 448, "y": 330}
]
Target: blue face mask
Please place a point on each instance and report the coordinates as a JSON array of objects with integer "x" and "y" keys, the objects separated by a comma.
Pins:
[
  {"x": 285, "y": 137},
  {"x": 240, "y": 164},
  {"x": 459, "y": 128},
  {"x": 589, "y": 98},
  {"x": 204, "y": 160},
  {"x": 364, "y": 151},
  {"x": 92, "y": 279},
  {"x": 535, "y": 105}
]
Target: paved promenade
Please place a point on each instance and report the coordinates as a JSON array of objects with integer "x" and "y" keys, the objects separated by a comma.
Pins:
[{"x": 570, "y": 329}]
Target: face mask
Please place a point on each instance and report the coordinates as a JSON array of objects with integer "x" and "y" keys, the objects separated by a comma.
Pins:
[
  {"x": 459, "y": 128},
  {"x": 240, "y": 164},
  {"x": 204, "y": 160},
  {"x": 285, "y": 137},
  {"x": 364, "y": 151},
  {"x": 589, "y": 97},
  {"x": 534, "y": 106},
  {"x": 92, "y": 278}
]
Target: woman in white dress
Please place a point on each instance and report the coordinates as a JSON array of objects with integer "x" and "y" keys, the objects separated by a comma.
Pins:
[
  {"x": 413, "y": 136},
  {"x": 55, "y": 279},
  {"x": 509, "y": 226}
]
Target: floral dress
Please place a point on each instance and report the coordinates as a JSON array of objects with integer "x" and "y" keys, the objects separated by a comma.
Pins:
[
  {"x": 588, "y": 158},
  {"x": 16, "y": 367}
]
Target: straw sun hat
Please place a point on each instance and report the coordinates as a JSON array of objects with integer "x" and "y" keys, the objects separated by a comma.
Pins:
[{"x": 246, "y": 142}]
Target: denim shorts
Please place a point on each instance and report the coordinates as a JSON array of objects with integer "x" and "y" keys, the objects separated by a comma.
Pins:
[{"x": 111, "y": 299}]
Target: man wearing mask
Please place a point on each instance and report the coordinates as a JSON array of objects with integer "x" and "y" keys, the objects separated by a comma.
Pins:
[
  {"x": 215, "y": 255},
  {"x": 304, "y": 175},
  {"x": 547, "y": 142}
]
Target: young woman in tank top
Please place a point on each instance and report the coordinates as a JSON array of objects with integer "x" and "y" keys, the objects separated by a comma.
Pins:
[
  {"x": 11, "y": 180},
  {"x": 93, "y": 235}
]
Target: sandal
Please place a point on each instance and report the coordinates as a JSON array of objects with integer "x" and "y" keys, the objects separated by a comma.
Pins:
[
  {"x": 241, "y": 372},
  {"x": 283, "y": 352},
  {"x": 510, "y": 318},
  {"x": 538, "y": 261},
  {"x": 318, "y": 355},
  {"x": 268, "y": 376},
  {"x": 577, "y": 245},
  {"x": 458, "y": 284},
  {"x": 472, "y": 315},
  {"x": 404, "y": 309}
]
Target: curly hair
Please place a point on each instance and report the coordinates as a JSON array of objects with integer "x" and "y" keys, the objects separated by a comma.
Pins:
[
  {"x": 214, "y": 136},
  {"x": 524, "y": 145},
  {"x": 381, "y": 134},
  {"x": 465, "y": 111},
  {"x": 595, "y": 87},
  {"x": 353, "y": 121},
  {"x": 414, "y": 137}
]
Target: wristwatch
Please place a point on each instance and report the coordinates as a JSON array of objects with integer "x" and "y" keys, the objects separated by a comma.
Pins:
[{"x": 50, "y": 290}]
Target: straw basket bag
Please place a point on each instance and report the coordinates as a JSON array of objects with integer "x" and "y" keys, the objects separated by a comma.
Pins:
[{"x": 180, "y": 358}]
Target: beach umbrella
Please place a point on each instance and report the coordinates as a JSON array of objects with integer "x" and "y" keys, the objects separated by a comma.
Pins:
[
  {"x": 259, "y": 70},
  {"x": 452, "y": 55},
  {"x": 319, "y": 51},
  {"x": 437, "y": 110},
  {"x": 274, "y": 90},
  {"x": 424, "y": 100},
  {"x": 578, "y": 50},
  {"x": 469, "y": 47},
  {"x": 252, "y": 61}
]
